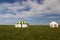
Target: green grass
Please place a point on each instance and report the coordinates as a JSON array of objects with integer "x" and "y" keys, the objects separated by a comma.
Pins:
[{"x": 34, "y": 32}]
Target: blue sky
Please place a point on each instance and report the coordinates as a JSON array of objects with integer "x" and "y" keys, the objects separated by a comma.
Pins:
[{"x": 36, "y": 12}]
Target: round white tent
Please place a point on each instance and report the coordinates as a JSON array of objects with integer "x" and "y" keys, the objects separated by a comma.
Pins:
[
  {"x": 21, "y": 24},
  {"x": 53, "y": 24}
]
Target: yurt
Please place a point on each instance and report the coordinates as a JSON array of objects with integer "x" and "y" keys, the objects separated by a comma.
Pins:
[
  {"x": 53, "y": 24},
  {"x": 21, "y": 24}
]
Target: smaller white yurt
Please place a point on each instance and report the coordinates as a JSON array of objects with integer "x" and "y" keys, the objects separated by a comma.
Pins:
[
  {"x": 53, "y": 24},
  {"x": 21, "y": 24}
]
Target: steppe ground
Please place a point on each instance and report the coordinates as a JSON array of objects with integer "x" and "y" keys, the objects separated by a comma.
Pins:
[{"x": 33, "y": 32}]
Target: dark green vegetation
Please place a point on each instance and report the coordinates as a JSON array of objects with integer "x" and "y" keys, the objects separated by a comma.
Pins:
[{"x": 8, "y": 32}]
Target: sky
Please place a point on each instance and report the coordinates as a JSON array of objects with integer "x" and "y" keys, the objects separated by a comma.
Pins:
[{"x": 35, "y": 12}]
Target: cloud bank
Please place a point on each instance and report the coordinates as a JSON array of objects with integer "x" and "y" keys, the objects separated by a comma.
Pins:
[{"x": 29, "y": 9}]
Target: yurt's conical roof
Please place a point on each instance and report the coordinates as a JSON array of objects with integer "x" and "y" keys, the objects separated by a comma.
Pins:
[
  {"x": 53, "y": 22},
  {"x": 21, "y": 22}
]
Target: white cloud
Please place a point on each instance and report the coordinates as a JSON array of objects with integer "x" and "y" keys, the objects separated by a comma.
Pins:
[
  {"x": 53, "y": 17},
  {"x": 7, "y": 16},
  {"x": 36, "y": 10}
]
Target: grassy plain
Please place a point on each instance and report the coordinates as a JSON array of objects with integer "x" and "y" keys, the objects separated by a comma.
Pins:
[{"x": 33, "y": 32}]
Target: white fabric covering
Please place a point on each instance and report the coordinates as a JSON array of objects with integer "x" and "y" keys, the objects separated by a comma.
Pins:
[{"x": 53, "y": 25}]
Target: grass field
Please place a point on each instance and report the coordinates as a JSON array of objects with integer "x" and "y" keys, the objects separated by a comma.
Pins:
[{"x": 34, "y": 32}]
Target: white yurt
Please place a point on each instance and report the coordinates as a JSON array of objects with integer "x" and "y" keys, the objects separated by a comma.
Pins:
[
  {"x": 21, "y": 24},
  {"x": 53, "y": 24}
]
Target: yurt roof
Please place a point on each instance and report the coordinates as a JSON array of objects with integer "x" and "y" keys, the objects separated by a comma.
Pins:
[
  {"x": 53, "y": 22},
  {"x": 21, "y": 22}
]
